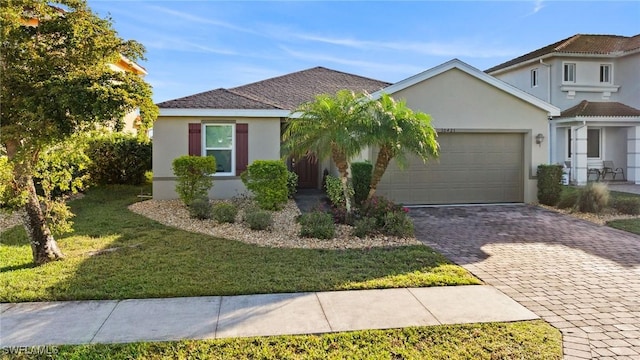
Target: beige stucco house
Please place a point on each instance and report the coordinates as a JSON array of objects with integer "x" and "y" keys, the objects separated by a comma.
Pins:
[{"x": 491, "y": 134}]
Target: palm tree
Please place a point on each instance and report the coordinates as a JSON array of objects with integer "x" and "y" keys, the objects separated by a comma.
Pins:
[
  {"x": 331, "y": 126},
  {"x": 397, "y": 131}
]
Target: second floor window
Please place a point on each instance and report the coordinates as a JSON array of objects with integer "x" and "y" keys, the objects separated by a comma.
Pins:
[
  {"x": 605, "y": 73},
  {"x": 569, "y": 72},
  {"x": 534, "y": 77}
]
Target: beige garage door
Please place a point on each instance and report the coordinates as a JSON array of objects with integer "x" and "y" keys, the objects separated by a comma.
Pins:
[{"x": 473, "y": 168}]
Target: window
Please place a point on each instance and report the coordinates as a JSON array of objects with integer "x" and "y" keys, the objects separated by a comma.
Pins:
[
  {"x": 219, "y": 143},
  {"x": 605, "y": 73},
  {"x": 569, "y": 72},
  {"x": 534, "y": 77},
  {"x": 593, "y": 143}
]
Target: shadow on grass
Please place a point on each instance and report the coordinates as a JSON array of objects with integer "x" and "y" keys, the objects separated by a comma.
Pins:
[{"x": 153, "y": 260}]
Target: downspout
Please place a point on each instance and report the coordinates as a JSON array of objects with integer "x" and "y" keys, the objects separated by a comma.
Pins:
[{"x": 551, "y": 142}]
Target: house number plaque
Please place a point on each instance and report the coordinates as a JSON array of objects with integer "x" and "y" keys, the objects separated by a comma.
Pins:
[{"x": 446, "y": 130}]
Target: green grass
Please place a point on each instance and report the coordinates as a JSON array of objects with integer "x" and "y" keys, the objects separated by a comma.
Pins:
[
  {"x": 154, "y": 260},
  {"x": 518, "y": 340}
]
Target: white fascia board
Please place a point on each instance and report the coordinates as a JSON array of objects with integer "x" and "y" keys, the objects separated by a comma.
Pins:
[
  {"x": 460, "y": 65},
  {"x": 225, "y": 112},
  {"x": 608, "y": 119}
]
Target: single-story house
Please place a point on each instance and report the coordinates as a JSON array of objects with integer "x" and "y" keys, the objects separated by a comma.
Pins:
[{"x": 491, "y": 134}]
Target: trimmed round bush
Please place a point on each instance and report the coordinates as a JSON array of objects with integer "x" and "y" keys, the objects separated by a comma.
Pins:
[
  {"x": 258, "y": 219},
  {"x": 200, "y": 209},
  {"x": 194, "y": 176},
  {"x": 225, "y": 213},
  {"x": 267, "y": 180},
  {"x": 361, "y": 178},
  {"x": 318, "y": 225}
]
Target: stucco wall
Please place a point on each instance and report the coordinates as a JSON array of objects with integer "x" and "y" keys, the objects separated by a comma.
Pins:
[
  {"x": 170, "y": 140},
  {"x": 462, "y": 103},
  {"x": 626, "y": 73}
]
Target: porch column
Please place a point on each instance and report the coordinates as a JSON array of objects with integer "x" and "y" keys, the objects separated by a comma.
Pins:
[
  {"x": 579, "y": 154},
  {"x": 553, "y": 133},
  {"x": 633, "y": 154}
]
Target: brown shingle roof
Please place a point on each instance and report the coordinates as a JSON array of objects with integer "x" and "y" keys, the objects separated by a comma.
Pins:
[
  {"x": 591, "y": 109},
  {"x": 580, "y": 44},
  {"x": 282, "y": 92},
  {"x": 215, "y": 99}
]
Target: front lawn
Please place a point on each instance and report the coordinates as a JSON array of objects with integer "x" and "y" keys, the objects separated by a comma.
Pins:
[
  {"x": 517, "y": 340},
  {"x": 146, "y": 260}
]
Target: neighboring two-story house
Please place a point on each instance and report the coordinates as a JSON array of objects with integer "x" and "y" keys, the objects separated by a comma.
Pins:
[{"x": 595, "y": 81}]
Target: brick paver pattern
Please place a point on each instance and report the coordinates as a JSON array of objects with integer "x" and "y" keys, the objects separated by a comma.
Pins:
[{"x": 582, "y": 278}]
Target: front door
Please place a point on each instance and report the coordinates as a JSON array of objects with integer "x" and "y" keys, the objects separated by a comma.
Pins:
[{"x": 307, "y": 170}]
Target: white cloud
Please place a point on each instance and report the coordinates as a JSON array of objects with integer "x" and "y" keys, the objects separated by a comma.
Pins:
[
  {"x": 459, "y": 48},
  {"x": 538, "y": 5},
  {"x": 198, "y": 19},
  {"x": 366, "y": 65},
  {"x": 184, "y": 45}
]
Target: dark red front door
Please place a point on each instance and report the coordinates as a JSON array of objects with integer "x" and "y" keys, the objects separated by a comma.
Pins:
[{"x": 307, "y": 170}]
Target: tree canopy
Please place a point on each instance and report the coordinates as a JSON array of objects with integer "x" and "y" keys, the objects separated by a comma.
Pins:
[{"x": 57, "y": 79}]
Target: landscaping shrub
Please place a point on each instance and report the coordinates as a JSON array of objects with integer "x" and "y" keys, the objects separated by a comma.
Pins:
[
  {"x": 225, "y": 213},
  {"x": 593, "y": 198},
  {"x": 398, "y": 224},
  {"x": 361, "y": 179},
  {"x": 378, "y": 207},
  {"x": 268, "y": 181},
  {"x": 628, "y": 206},
  {"x": 118, "y": 158},
  {"x": 194, "y": 176},
  {"x": 200, "y": 209},
  {"x": 333, "y": 187},
  {"x": 292, "y": 183},
  {"x": 568, "y": 200},
  {"x": 317, "y": 224},
  {"x": 365, "y": 226},
  {"x": 258, "y": 219},
  {"x": 549, "y": 184}
]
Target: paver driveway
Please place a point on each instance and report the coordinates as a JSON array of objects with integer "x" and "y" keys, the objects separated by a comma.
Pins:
[{"x": 582, "y": 278}]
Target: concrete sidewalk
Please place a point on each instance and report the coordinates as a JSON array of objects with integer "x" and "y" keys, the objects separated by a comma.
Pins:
[{"x": 112, "y": 321}]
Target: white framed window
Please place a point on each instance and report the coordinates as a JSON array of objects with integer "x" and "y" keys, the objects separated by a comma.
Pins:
[
  {"x": 594, "y": 143},
  {"x": 605, "y": 73},
  {"x": 219, "y": 142},
  {"x": 534, "y": 77},
  {"x": 569, "y": 73}
]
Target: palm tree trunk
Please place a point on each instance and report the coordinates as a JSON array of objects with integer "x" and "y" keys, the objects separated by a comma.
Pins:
[
  {"x": 43, "y": 246},
  {"x": 382, "y": 161}
]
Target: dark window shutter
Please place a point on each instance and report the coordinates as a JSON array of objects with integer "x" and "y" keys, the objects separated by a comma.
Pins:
[
  {"x": 195, "y": 139},
  {"x": 242, "y": 147}
]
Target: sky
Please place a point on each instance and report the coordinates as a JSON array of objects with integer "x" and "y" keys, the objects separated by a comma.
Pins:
[{"x": 196, "y": 46}]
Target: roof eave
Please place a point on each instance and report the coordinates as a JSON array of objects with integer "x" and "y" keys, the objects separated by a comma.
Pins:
[{"x": 190, "y": 112}]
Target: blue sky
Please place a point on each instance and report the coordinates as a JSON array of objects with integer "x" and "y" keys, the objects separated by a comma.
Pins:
[{"x": 194, "y": 46}]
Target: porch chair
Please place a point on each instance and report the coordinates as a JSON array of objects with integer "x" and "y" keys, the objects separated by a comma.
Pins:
[{"x": 609, "y": 168}]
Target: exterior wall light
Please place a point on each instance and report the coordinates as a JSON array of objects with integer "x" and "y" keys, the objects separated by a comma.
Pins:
[{"x": 539, "y": 139}]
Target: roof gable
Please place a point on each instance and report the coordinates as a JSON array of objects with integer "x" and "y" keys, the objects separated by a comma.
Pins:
[
  {"x": 613, "y": 45},
  {"x": 462, "y": 66}
]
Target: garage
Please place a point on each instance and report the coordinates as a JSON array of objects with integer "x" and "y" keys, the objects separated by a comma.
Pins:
[{"x": 472, "y": 168}]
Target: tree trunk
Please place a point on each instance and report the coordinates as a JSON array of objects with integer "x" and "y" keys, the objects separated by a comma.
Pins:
[
  {"x": 382, "y": 161},
  {"x": 43, "y": 246}
]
